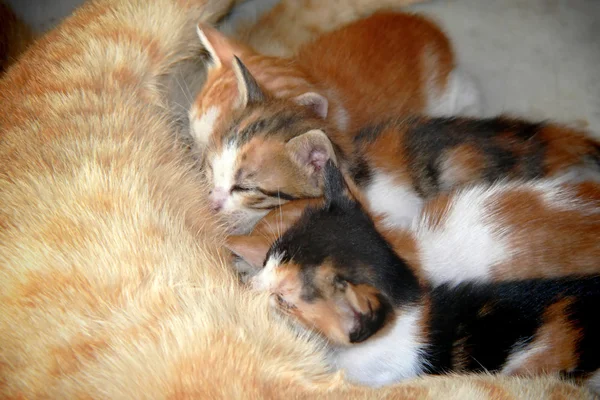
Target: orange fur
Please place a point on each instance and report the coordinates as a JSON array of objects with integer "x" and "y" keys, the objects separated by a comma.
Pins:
[
  {"x": 464, "y": 164},
  {"x": 293, "y": 23},
  {"x": 561, "y": 239},
  {"x": 113, "y": 285},
  {"x": 554, "y": 345},
  {"x": 545, "y": 239},
  {"x": 388, "y": 53}
]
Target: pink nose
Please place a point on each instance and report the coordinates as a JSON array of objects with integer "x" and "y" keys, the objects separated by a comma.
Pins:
[{"x": 217, "y": 198}]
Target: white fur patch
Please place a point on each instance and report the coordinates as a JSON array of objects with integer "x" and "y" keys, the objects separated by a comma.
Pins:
[
  {"x": 517, "y": 358},
  {"x": 203, "y": 127},
  {"x": 266, "y": 279},
  {"x": 387, "y": 359},
  {"x": 223, "y": 166},
  {"x": 470, "y": 242},
  {"x": 398, "y": 203},
  {"x": 341, "y": 119},
  {"x": 461, "y": 97},
  {"x": 467, "y": 245}
]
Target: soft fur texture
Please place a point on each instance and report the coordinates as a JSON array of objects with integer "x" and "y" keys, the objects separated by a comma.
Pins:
[
  {"x": 335, "y": 274},
  {"x": 113, "y": 285}
]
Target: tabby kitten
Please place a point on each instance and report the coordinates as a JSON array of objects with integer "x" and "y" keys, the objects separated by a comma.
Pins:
[
  {"x": 404, "y": 62},
  {"x": 503, "y": 231},
  {"x": 335, "y": 274},
  {"x": 273, "y": 151}
]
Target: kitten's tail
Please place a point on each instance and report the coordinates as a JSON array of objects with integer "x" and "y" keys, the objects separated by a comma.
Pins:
[{"x": 15, "y": 37}]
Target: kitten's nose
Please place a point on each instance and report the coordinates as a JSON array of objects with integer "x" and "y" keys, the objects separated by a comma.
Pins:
[{"x": 217, "y": 198}]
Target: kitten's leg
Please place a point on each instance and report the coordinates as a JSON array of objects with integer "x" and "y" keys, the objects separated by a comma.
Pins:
[{"x": 461, "y": 96}]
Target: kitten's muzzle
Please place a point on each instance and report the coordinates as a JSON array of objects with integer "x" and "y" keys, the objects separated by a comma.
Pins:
[{"x": 217, "y": 198}]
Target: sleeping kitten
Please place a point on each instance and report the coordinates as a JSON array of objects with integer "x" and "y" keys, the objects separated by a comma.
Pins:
[
  {"x": 335, "y": 274},
  {"x": 496, "y": 232},
  {"x": 273, "y": 151},
  {"x": 404, "y": 62}
]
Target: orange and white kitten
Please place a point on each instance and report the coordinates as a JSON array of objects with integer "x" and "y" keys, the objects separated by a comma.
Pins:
[
  {"x": 386, "y": 64},
  {"x": 273, "y": 150},
  {"x": 508, "y": 230}
]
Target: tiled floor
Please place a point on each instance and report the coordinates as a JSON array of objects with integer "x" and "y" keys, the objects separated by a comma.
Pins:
[{"x": 538, "y": 58}]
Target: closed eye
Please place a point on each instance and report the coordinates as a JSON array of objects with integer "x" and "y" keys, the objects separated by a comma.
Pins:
[{"x": 238, "y": 188}]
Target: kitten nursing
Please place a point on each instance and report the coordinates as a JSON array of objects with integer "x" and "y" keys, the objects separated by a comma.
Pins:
[
  {"x": 336, "y": 274},
  {"x": 271, "y": 149}
]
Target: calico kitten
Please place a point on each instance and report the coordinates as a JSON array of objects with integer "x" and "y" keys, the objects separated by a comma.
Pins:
[
  {"x": 485, "y": 232},
  {"x": 273, "y": 151},
  {"x": 335, "y": 274}
]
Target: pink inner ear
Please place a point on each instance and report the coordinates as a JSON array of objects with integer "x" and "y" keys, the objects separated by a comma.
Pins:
[{"x": 318, "y": 158}]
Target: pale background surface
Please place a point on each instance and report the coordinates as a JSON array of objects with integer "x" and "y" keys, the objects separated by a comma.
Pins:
[{"x": 535, "y": 58}]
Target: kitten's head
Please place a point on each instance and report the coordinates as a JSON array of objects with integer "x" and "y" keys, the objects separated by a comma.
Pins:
[
  {"x": 264, "y": 151},
  {"x": 331, "y": 269}
]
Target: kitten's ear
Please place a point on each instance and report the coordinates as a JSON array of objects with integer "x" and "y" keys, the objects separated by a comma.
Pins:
[
  {"x": 252, "y": 249},
  {"x": 369, "y": 311},
  {"x": 220, "y": 48},
  {"x": 334, "y": 185},
  {"x": 249, "y": 91},
  {"x": 315, "y": 101},
  {"x": 311, "y": 151}
]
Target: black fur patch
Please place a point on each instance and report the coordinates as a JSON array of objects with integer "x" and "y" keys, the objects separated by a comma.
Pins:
[
  {"x": 370, "y": 133},
  {"x": 343, "y": 233},
  {"x": 514, "y": 311},
  {"x": 427, "y": 140},
  {"x": 361, "y": 172},
  {"x": 372, "y": 322}
]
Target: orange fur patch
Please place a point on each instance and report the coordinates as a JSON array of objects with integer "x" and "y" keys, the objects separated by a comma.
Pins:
[
  {"x": 557, "y": 338},
  {"x": 461, "y": 165},
  {"x": 562, "y": 240}
]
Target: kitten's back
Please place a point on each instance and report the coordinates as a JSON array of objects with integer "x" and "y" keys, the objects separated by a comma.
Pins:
[{"x": 382, "y": 66}]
